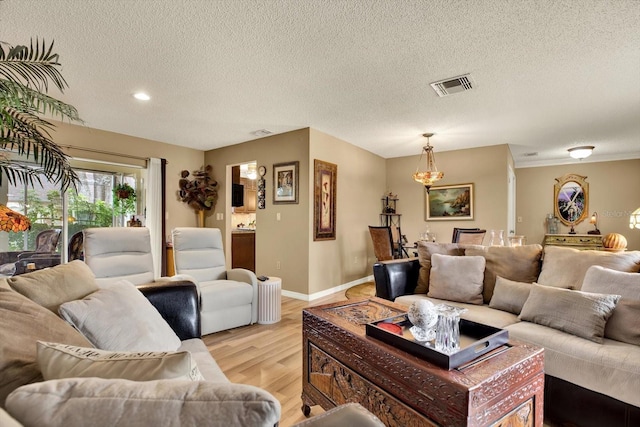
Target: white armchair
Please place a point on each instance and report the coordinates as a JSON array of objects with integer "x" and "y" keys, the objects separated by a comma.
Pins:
[
  {"x": 228, "y": 298},
  {"x": 116, "y": 253}
]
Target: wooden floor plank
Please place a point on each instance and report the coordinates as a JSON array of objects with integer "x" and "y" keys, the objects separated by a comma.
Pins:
[{"x": 269, "y": 356}]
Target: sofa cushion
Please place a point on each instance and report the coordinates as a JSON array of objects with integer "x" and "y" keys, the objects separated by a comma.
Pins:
[
  {"x": 457, "y": 278},
  {"x": 221, "y": 294},
  {"x": 22, "y": 323},
  {"x": 119, "y": 317},
  {"x": 623, "y": 325},
  {"x": 425, "y": 250},
  {"x": 51, "y": 287},
  {"x": 611, "y": 368},
  {"x": 207, "y": 365},
  {"x": 58, "y": 361},
  {"x": 107, "y": 402},
  {"x": 519, "y": 263},
  {"x": 583, "y": 314},
  {"x": 476, "y": 313},
  {"x": 566, "y": 267},
  {"x": 510, "y": 295},
  {"x": 7, "y": 420}
]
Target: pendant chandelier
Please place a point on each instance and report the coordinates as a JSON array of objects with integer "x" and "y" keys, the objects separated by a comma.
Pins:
[{"x": 431, "y": 174}]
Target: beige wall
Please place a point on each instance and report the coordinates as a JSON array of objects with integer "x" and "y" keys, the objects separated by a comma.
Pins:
[
  {"x": 286, "y": 240},
  {"x": 486, "y": 168},
  {"x": 179, "y": 158},
  {"x": 361, "y": 183},
  {"x": 613, "y": 193},
  {"x": 308, "y": 267}
]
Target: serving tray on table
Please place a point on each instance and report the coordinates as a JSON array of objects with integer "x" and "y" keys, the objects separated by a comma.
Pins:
[{"x": 476, "y": 340}]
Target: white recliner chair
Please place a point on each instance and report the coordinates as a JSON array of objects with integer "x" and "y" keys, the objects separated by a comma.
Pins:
[
  {"x": 115, "y": 253},
  {"x": 228, "y": 298}
]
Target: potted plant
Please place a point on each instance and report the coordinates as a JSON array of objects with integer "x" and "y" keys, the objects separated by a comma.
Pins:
[{"x": 124, "y": 199}]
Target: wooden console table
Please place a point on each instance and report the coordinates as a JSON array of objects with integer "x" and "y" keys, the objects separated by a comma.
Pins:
[
  {"x": 341, "y": 364},
  {"x": 576, "y": 241}
]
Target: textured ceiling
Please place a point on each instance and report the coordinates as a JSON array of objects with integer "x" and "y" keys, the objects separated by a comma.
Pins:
[{"x": 549, "y": 74}]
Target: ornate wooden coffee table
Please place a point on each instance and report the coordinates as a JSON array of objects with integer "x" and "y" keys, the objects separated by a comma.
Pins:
[{"x": 342, "y": 364}]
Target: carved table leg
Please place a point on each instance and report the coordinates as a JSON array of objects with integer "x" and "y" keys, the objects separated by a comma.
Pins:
[{"x": 306, "y": 409}]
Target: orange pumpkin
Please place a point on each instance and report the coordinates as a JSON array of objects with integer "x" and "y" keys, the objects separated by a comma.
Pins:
[{"x": 614, "y": 241}]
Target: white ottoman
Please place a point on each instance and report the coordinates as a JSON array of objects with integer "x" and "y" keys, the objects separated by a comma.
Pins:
[{"x": 269, "y": 300}]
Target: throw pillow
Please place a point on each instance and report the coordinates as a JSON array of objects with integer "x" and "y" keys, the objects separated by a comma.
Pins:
[
  {"x": 119, "y": 317},
  {"x": 583, "y": 314},
  {"x": 519, "y": 263},
  {"x": 509, "y": 295},
  {"x": 623, "y": 324},
  {"x": 566, "y": 267},
  {"x": 425, "y": 250},
  {"x": 22, "y": 323},
  {"x": 58, "y": 361},
  {"x": 456, "y": 278},
  {"x": 51, "y": 287},
  {"x": 78, "y": 402}
]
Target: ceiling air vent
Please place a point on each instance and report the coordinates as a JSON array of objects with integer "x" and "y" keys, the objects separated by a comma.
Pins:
[{"x": 453, "y": 85}]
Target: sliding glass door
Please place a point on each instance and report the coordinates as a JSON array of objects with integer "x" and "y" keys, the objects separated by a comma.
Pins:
[{"x": 56, "y": 218}]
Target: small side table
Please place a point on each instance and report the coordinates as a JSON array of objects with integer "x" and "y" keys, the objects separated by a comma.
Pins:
[{"x": 269, "y": 300}]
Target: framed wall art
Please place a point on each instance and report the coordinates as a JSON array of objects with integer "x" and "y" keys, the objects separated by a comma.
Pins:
[
  {"x": 449, "y": 202},
  {"x": 285, "y": 183},
  {"x": 571, "y": 199},
  {"x": 324, "y": 196}
]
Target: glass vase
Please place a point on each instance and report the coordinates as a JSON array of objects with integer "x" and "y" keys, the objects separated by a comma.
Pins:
[
  {"x": 448, "y": 328},
  {"x": 496, "y": 237}
]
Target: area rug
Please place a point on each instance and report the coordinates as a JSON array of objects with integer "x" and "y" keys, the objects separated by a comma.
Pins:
[{"x": 367, "y": 289}]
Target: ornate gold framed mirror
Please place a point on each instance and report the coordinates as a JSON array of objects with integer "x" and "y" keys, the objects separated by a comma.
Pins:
[{"x": 571, "y": 199}]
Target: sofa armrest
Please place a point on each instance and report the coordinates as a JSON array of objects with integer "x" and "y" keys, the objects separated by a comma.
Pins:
[
  {"x": 109, "y": 402},
  {"x": 396, "y": 277},
  {"x": 177, "y": 302}
]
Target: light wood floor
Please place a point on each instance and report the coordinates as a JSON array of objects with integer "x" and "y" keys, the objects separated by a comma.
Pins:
[{"x": 269, "y": 356}]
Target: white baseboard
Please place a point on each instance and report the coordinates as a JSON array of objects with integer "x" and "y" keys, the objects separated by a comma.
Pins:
[{"x": 321, "y": 294}]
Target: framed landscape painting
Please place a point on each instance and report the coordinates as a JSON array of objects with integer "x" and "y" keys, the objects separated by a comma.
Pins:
[
  {"x": 324, "y": 195},
  {"x": 449, "y": 202}
]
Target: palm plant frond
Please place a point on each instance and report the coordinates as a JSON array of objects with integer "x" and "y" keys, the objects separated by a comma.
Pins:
[
  {"x": 19, "y": 96},
  {"x": 25, "y": 73},
  {"x": 35, "y": 65}
]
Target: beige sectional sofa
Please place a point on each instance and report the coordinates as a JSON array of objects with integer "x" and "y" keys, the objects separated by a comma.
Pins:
[
  {"x": 75, "y": 353},
  {"x": 147, "y": 375},
  {"x": 583, "y": 307}
]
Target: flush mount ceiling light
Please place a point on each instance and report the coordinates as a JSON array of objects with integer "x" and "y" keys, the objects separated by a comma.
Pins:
[
  {"x": 431, "y": 174},
  {"x": 141, "y": 96},
  {"x": 581, "y": 152}
]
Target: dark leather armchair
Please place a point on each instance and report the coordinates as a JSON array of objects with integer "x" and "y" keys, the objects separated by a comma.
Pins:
[{"x": 396, "y": 277}]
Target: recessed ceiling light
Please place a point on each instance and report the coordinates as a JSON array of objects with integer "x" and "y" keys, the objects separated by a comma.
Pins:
[{"x": 141, "y": 96}]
